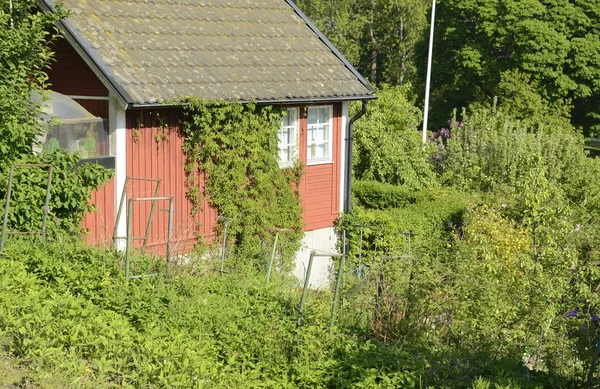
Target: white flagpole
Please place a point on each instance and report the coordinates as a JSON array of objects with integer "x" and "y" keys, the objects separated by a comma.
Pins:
[{"x": 428, "y": 82}]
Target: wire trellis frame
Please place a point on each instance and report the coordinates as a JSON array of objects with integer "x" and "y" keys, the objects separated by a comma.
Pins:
[
  {"x": 116, "y": 236},
  {"x": 45, "y": 208},
  {"x": 129, "y": 237}
]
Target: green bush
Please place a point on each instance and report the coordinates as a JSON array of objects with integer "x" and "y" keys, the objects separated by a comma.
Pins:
[
  {"x": 378, "y": 195},
  {"x": 388, "y": 144},
  {"x": 70, "y": 194}
]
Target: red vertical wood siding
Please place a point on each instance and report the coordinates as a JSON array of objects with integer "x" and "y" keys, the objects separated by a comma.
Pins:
[
  {"x": 70, "y": 75},
  {"x": 320, "y": 188},
  {"x": 154, "y": 150},
  {"x": 97, "y": 108},
  {"x": 100, "y": 224}
]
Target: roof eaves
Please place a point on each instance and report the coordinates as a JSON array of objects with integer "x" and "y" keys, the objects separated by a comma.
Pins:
[
  {"x": 330, "y": 45},
  {"x": 300, "y": 100},
  {"x": 89, "y": 55}
]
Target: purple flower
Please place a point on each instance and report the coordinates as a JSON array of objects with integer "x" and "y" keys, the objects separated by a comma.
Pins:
[
  {"x": 571, "y": 313},
  {"x": 595, "y": 318}
]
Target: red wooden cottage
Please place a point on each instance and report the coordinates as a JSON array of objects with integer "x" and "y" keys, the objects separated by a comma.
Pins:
[{"x": 123, "y": 60}]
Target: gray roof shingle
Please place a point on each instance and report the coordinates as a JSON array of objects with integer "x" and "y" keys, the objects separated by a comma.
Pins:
[{"x": 162, "y": 50}]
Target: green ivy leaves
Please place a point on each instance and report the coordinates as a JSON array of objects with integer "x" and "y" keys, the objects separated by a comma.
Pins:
[{"x": 234, "y": 146}]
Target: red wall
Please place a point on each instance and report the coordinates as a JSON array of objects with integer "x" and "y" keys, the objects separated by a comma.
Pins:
[
  {"x": 320, "y": 190},
  {"x": 154, "y": 151},
  {"x": 100, "y": 224},
  {"x": 70, "y": 75}
]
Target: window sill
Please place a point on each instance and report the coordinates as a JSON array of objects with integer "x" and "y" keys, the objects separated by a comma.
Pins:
[
  {"x": 319, "y": 162},
  {"x": 107, "y": 162}
]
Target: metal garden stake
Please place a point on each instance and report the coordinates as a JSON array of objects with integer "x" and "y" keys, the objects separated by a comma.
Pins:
[
  {"x": 336, "y": 292},
  {"x": 122, "y": 203},
  {"x": 277, "y": 231},
  {"x": 304, "y": 292},
  {"x": 130, "y": 238}
]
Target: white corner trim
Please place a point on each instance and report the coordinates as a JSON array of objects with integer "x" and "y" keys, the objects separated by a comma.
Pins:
[
  {"x": 118, "y": 140},
  {"x": 343, "y": 153}
]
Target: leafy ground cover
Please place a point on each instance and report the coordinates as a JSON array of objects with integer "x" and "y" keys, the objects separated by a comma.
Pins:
[{"x": 66, "y": 311}]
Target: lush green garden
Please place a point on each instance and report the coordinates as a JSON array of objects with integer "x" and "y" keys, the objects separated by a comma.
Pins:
[
  {"x": 67, "y": 311},
  {"x": 473, "y": 260}
]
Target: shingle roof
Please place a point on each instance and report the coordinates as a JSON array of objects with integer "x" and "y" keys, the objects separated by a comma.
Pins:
[{"x": 161, "y": 50}]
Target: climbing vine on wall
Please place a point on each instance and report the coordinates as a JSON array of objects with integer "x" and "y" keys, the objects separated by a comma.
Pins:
[{"x": 234, "y": 146}]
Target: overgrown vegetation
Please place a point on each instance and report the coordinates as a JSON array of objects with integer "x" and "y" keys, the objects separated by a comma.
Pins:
[
  {"x": 67, "y": 308},
  {"x": 24, "y": 57},
  {"x": 234, "y": 146},
  {"x": 501, "y": 256},
  {"x": 387, "y": 145}
]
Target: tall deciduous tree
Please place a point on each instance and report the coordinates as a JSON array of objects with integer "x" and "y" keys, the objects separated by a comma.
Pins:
[
  {"x": 377, "y": 36},
  {"x": 554, "y": 43}
]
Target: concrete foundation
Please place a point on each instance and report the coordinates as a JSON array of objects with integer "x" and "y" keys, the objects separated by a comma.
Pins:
[{"x": 322, "y": 240}]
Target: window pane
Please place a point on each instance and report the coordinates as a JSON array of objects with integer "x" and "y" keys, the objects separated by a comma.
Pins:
[
  {"x": 323, "y": 115},
  {"x": 88, "y": 137},
  {"x": 288, "y": 136},
  {"x": 319, "y": 133},
  {"x": 312, "y": 116}
]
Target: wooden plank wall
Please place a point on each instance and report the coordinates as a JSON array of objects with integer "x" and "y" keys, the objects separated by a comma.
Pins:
[
  {"x": 70, "y": 75},
  {"x": 154, "y": 150},
  {"x": 320, "y": 189},
  {"x": 100, "y": 223}
]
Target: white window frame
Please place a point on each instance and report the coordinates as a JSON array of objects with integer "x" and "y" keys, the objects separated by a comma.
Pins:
[
  {"x": 295, "y": 127},
  {"x": 329, "y": 141}
]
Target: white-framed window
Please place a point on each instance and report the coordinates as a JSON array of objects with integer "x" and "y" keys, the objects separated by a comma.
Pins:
[
  {"x": 319, "y": 134},
  {"x": 288, "y": 137}
]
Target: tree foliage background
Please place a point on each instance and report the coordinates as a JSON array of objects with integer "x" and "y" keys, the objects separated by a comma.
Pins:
[{"x": 503, "y": 199}]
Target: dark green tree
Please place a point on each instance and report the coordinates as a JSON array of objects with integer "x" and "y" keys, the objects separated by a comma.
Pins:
[
  {"x": 377, "y": 36},
  {"x": 555, "y": 44}
]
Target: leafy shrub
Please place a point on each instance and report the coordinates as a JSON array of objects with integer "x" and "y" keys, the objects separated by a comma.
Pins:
[
  {"x": 378, "y": 195},
  {"x": 491, "y": 149},
  {"x": 388, "y": 146},
  {"x": 70, "y": 194}
]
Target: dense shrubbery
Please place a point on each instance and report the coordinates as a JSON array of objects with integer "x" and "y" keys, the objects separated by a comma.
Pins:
[
  {"x": 387, "y": 147},
  {"x": 378, "y": 195},
  {"x": 498, "y": 260},
  {"x": 67, "y": 308}
]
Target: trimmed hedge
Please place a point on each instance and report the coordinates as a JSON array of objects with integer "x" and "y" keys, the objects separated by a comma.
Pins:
[{"x": 377, "y": 195}]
